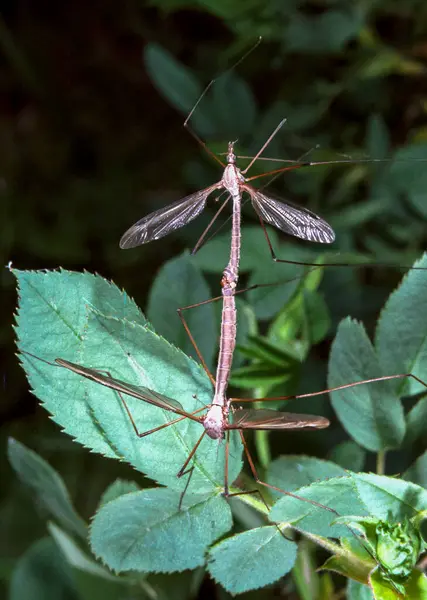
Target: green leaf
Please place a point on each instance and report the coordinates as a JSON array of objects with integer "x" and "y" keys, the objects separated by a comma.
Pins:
[
  {"x": 358, "y": 591},
  {"x": 401, "y": 335},
  {"x": 325, "y": 33},
  {"x": 179, "y": 86},
  {"x": 388, "y": 498},
  {"x": 276, "y": 284},
  {"x": 179, "y": 283},
  {"x": 377, "y": 137},
  {"x": 252, "y": 559},
  {"x": 317, "y": 319},
  {"x": 349, "y": 456},
  {"x": 246, "y": 325},
  {"x": 117, "y": 489},
  {"x": 255, "y": 376},
  {"x": 64, "y": 299},
  {"x": 92, "y": 579},
  {"x": 383, "y": 588},
  {"x": 47, "y": 485},
  {"x": 337, "y": 496},
  {"x": 261, "y": 349},
  {"x": 179, "y": 586},
  {"x": 234, "y": 109},
  {"x": 95, "y": 415},
  {"x": 356, "y": 215},
  {"x": 370, "y": 413},
  {"x": 416, "y": 422},
  {"x": 293, "y": 472},
  {"x": 42, "y": 574},
  {"x": 75, "y": 556},
  {"x": 148, "y": 532},
  {"x": 416, "y": 586},
  {"x": 417, "y": 472},
  {"x": 409, "y": 177},
  {"x": 213, "y": 257},
  {"x": 349, "y": 565}
]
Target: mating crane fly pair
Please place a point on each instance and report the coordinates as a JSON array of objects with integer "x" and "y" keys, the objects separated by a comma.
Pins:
[{"x": 299, "y": 222}]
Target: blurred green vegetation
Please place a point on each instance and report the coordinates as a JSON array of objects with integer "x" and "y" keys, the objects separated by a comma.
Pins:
[{"x": 92, "y": 105}]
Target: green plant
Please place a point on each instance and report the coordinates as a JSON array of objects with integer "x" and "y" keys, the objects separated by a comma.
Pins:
[{"x": 83, "y": 318}]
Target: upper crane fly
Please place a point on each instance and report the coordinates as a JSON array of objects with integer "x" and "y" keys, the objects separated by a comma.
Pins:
[{"x": 297, "y": 221}]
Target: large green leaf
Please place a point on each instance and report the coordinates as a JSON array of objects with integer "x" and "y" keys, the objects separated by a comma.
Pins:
[
  {"x": 47, "y": 485},
  {"x": 416, "y": 422},
  {"x": 349, "y": 455},
  {"x": 147, "y": 531},
  {"x": 401, "y": 335},
  {"x": 179, "y": 86},
  {"x": 409, "y": 177},
  {"x": 324, "y": 33},
  {"x": 179, "y": 283},
  {"x": 388, "y": 498},
  {"x": 293, "y": 472},
  {"x": 371, "y": 413},
  {"x": 42, "y": 574},
  {"x": 76, "y": 557},
  {"x": 358, "y": 591},
  {"x": 339, "y": 495},
  {"x": 117, "y": 489},
  {"x": 93, "y": 414},
  {"x": 64, "y": 299},
  {"x": 234, "y": 109},
  {"x": 417, "y": 472},
  {"x": 251, "y": 559}
]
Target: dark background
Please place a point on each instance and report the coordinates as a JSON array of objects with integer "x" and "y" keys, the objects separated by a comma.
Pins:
[{"x": 90, "y": 142}]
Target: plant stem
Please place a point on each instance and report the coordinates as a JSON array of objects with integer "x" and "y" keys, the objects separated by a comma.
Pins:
[
  {"x": 263, "y": 448},
  {"x": 381, "y": 462}
]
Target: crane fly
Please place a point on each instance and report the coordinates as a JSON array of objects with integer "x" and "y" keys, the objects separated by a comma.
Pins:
[{"x": 293, "y": 220}]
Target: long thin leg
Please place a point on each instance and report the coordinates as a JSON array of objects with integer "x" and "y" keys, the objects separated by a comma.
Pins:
[
  {"x": 191, "y": 337},
  {"x": 203, "y": 94},
  {"x": 334, "y": 389},
  {"x": 182, "y": 470},
  {"x": 226, "y": 482},
  {"x": 201, "y": 239},
  {"x": 334, "y": 264},
  {"x": 264, "y": 146},
  {"x": 129, "y": 413},
  {"x": 150, "y": 431},
  {"x": 273, "y": 487}
]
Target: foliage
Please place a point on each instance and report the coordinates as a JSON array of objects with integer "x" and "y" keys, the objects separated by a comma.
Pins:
[{"x": 177, "y": 527}]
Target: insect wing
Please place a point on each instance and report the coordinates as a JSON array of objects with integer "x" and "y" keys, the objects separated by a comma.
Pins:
[
  {"x": 291, "y": 219},
  {"x": 136, "y": 391},
  {"x": 161, "y": 222},
  {"x": 265, "y": 418}
]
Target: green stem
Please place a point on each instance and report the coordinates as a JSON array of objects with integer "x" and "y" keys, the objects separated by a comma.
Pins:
[
  {"x": 381, "y": 462},
  {"x": 263, "y": 448}
]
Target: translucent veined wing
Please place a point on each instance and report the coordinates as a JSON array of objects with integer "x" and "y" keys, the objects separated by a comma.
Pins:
[
  {"x": 136, "y": 391},
  {"x": 265, "y": 418},
  {"x": 291, "y": 219},
  {"x": 161, "y": 222}
]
